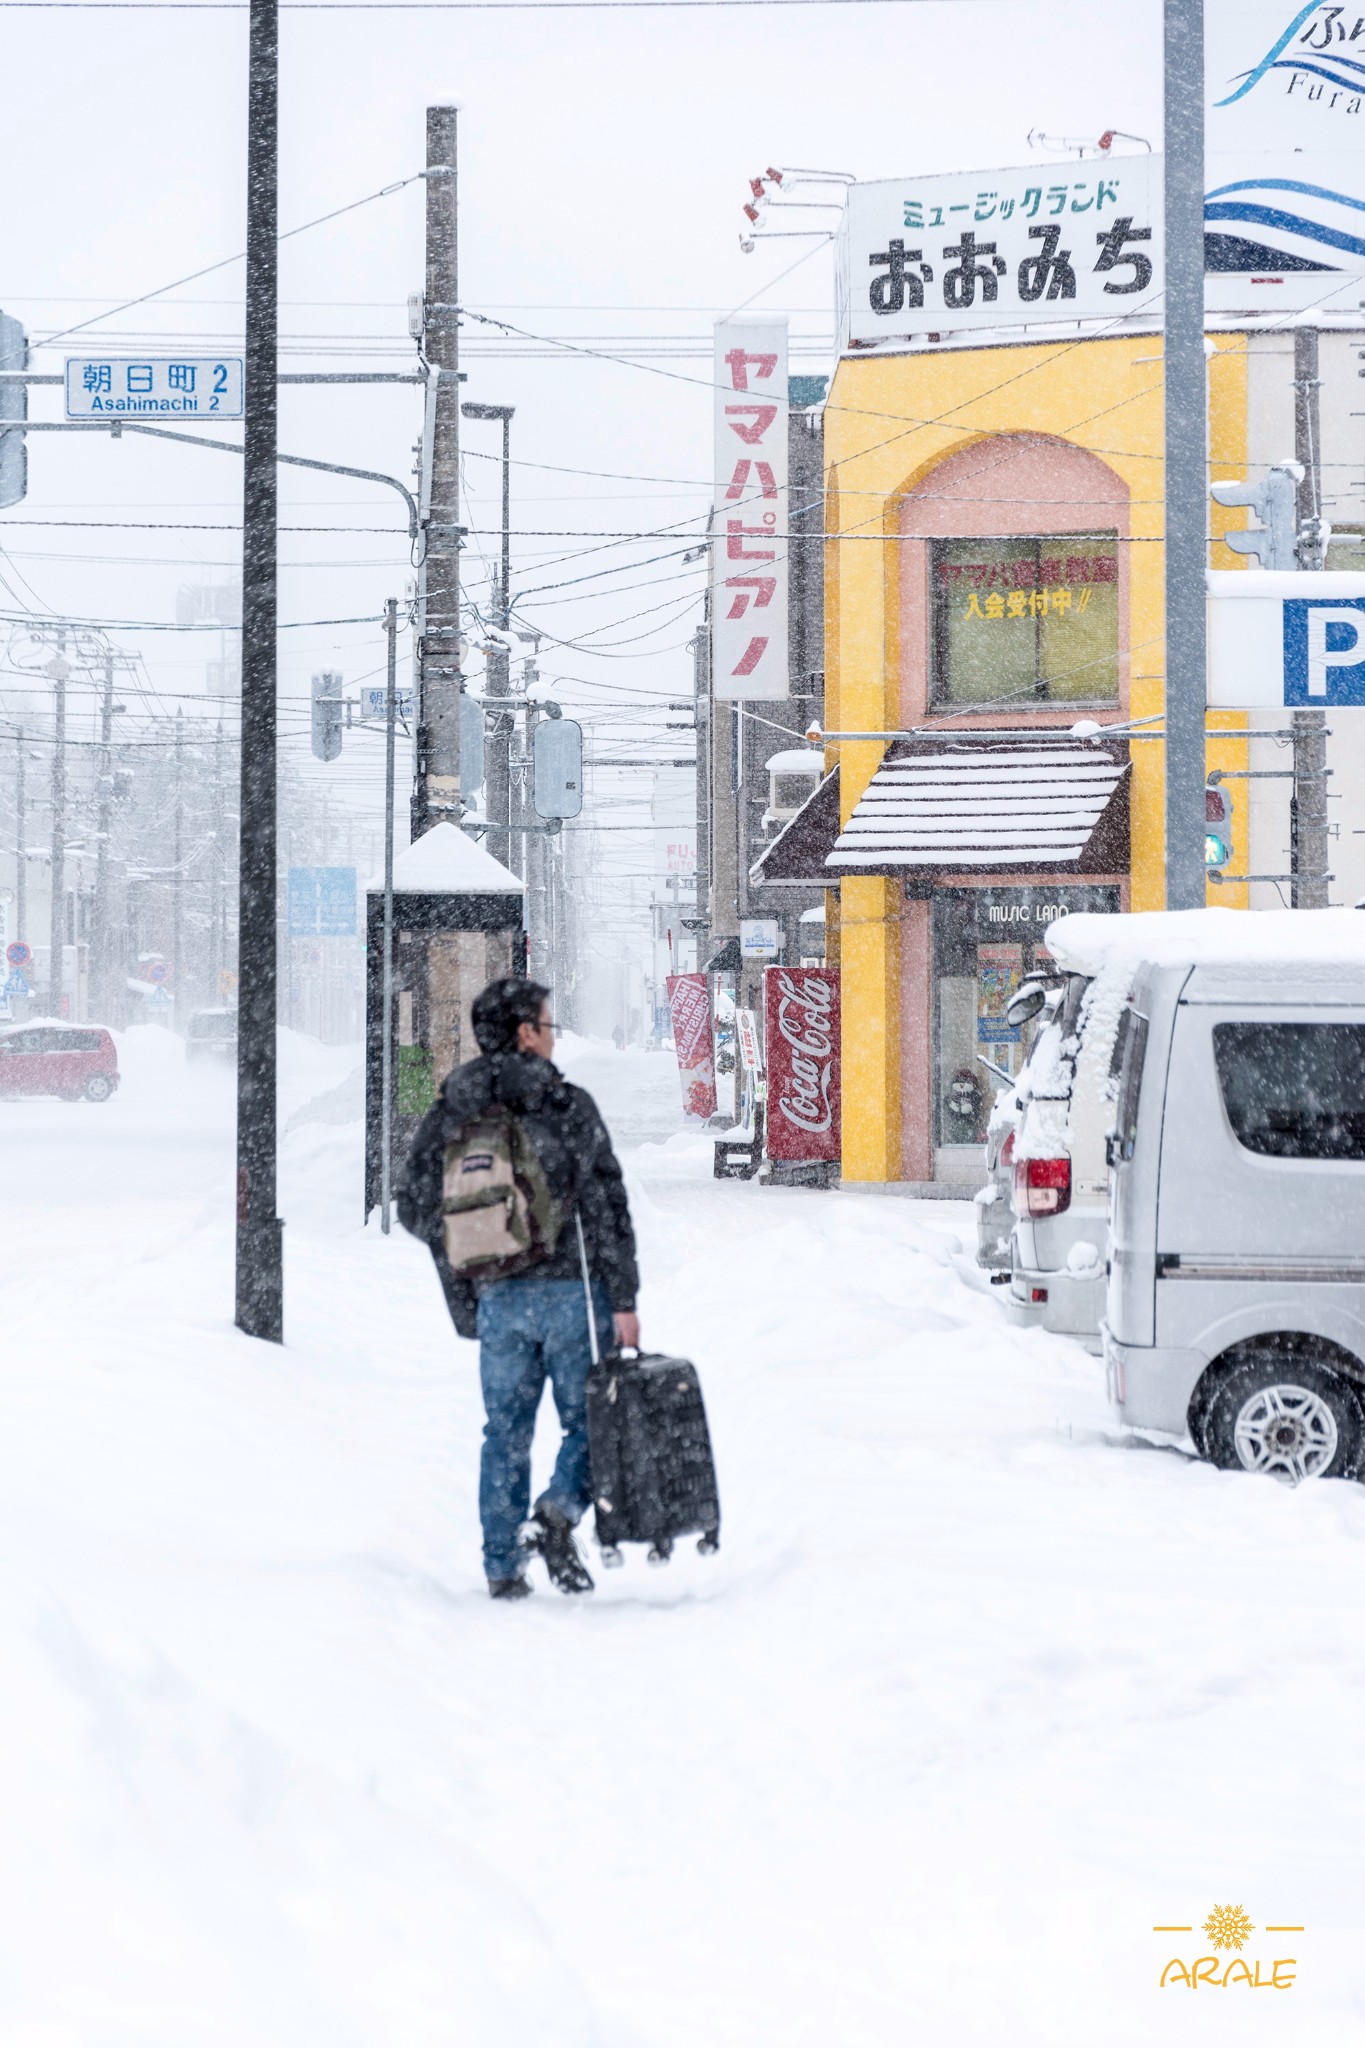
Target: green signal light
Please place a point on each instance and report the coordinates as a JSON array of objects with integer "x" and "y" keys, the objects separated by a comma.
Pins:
[{"x": 1217, "y": 852}]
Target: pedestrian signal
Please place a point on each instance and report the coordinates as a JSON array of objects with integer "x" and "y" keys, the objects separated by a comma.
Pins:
[{"x": 1217, "y": 826}]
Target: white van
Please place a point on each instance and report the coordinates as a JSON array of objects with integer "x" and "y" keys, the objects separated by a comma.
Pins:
[{"x": 1235, "y": 1306}]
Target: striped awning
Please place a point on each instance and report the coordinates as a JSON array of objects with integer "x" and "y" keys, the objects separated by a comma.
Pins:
[{"x": 992, "y": 803}]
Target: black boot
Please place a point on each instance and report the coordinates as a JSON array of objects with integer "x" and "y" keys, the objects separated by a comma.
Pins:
[
  {"x": 549, "y": 1534},
  {"x": 518, "y": 1587}
]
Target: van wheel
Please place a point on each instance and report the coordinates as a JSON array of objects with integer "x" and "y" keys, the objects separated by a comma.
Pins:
[
  {"x": 98, "y": 1088},
  {"x": 1288, "y": 1418}
]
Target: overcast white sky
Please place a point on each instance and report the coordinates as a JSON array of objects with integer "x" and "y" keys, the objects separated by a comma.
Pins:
[{"x": 604, "y": 159}]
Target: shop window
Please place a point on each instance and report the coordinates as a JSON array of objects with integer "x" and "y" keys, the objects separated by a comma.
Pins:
[
  {"x": 1026, "y": 621},
  {"x": 986, "y": 941}
]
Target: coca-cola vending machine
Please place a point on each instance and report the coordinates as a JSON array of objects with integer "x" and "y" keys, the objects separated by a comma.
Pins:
[{"x": 801, "y": 1032}]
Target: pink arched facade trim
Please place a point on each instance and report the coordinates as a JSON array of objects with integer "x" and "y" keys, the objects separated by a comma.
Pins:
[{"x": 1011, "y": 484}]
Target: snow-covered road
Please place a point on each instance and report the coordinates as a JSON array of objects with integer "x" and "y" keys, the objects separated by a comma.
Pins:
[{"x": 976, "y": 1695}]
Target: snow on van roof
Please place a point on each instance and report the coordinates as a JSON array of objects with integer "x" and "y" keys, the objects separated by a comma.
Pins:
[{"x": 1086, "y": 941}]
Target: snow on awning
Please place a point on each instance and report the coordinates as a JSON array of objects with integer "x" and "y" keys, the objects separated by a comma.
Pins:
[{"x": 992, "y": 803}]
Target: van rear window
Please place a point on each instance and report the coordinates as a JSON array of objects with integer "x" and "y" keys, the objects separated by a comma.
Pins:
[
  {"x": 1133, "y": 1034},
  {"x": 1294, "y": 1091}
]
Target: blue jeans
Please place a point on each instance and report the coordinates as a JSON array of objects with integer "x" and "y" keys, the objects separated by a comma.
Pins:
[{"x": 530, "y": 1329}]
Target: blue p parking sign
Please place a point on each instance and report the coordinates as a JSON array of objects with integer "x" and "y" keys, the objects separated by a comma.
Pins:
[
  {"x": 1285, "y": 638},
  {"x": 1324, "y": 651}
]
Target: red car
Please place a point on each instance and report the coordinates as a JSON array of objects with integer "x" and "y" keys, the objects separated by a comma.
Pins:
[{"x": 77, "y": 1061}]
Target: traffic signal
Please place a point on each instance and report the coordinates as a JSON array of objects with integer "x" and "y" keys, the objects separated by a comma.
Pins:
[
  {"x": 1275, "y": 501},
  {"x": 327, "y": 712},
  {"x": 1217, "y": 826},
  {"x": 13, "y": 406}
]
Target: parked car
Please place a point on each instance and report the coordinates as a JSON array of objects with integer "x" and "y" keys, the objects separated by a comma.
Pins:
[
  {"x": 1236, "y": 1295},
  {"x": 78, "y": 1061},
  {"x": 1060, "y": 1166},
  {"x": 212, "y": 1035},
  {"x": 1035, "y": 1001}
]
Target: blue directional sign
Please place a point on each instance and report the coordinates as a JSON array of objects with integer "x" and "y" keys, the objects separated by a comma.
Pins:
[
  {"x": 185, "y": 387},
  {"x": 322, "y": 903}
]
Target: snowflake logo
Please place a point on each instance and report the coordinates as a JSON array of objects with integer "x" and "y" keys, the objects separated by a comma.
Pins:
[{"x": 1227, "y": 1927}]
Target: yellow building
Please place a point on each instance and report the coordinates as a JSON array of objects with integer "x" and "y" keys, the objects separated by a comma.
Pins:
[{"x": 994, "y": 578}]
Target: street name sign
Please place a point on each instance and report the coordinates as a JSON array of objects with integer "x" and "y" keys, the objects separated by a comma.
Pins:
[
  {"x": 1286, "y": 640},
  {"x": 186, "y": 387}
]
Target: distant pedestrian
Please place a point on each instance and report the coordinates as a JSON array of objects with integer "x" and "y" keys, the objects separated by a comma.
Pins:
[
  {"x": 528, "y": 1155},
  {"x": 620, "y": 1038}
]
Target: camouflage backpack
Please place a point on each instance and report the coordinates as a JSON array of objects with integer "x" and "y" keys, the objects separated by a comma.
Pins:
[{"x": 498, "y": 1216}]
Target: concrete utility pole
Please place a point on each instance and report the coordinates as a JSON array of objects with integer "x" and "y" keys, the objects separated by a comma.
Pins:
[
  {"x": 437, "y": 792},
  {"x": 178, "y": 900},
  {"x": 1187, "y": 478},
  {"x": 103, "y": 976},
  {"x": 1308, "y": 841},
  {"x": 498, "y": 778},
  {"x": 260, "y": 1264},
  {"x": 57, "y": 907},
  {"x": 20, "y": 838}
]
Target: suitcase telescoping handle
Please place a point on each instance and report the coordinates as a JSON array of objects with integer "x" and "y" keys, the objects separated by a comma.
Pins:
[{"x": 587, "y": 1290}]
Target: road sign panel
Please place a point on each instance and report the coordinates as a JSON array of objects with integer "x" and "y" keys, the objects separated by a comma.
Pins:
[
  {"x": 161, "y": 999},
  {"x": 372, "y": 705},
  {"x": 188, "y": 387},
  {"x": 18, "y": 954},
  {"x": 16, "y": 985},
  {"x": 157, "y": 971},
  {"x": 1286, "y": 639},
  {"x": 322, "y": 903}
]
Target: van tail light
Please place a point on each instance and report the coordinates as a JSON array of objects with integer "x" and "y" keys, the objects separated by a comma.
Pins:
[
  {"x": 1007, "y": 1149},
  {"x": 1042, "y": 1187}
]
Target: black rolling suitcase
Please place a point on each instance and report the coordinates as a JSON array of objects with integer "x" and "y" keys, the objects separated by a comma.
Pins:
[{"x": 653, "y": 1476}]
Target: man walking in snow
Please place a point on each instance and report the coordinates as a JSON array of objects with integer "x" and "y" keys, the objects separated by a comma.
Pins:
[{"x": 532, "y": 1325}]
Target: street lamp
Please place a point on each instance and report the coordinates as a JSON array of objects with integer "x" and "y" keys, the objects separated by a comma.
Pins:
[{"x": 499, "y": 836}]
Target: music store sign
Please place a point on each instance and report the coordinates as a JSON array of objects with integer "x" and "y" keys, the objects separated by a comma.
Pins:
[{"x": 982, "y": 249}]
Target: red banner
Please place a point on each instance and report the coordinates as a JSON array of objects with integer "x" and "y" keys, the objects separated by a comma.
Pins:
[
  {"x": 801, "y": 1022},
  {"x": 689, "y": 1006}
]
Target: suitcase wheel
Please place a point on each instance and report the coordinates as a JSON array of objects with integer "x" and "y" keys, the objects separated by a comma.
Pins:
[
  {"x": 709, "y": 1544},
  {"x": 611, "y": 1556},
  {"x": 660, "y": 1552}
]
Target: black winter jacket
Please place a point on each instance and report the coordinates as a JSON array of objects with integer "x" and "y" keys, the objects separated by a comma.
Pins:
[{"x": 564, "y": 1125}]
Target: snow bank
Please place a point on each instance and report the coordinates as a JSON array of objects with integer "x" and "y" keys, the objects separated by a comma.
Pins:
[{"x": 1083, "y": 942}]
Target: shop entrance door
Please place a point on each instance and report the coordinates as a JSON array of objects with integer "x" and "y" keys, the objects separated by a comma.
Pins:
[{"x": 986, "y": 942}]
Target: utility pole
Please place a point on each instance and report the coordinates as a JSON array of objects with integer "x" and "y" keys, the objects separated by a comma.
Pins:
[
  {"x": 217, "y": 935},
  {"x": 57, "y": 907},
  {"x": 1187, "y": 477},
  {"x": 104, "y": 951},
  {"x": 20, "y": 838},
  {"x": 1308, "y": 843},
  {"x": 498, "y": 838},
  {"x": 386, "y": 971},
  {"x": 437, "y": 792},
  {"x": 260, "y": 1268},
  {"x": 178, "y": 901}
]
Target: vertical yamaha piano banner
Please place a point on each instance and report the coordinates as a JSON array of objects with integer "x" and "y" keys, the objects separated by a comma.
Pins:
[{"x": 749, "y": 593}]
